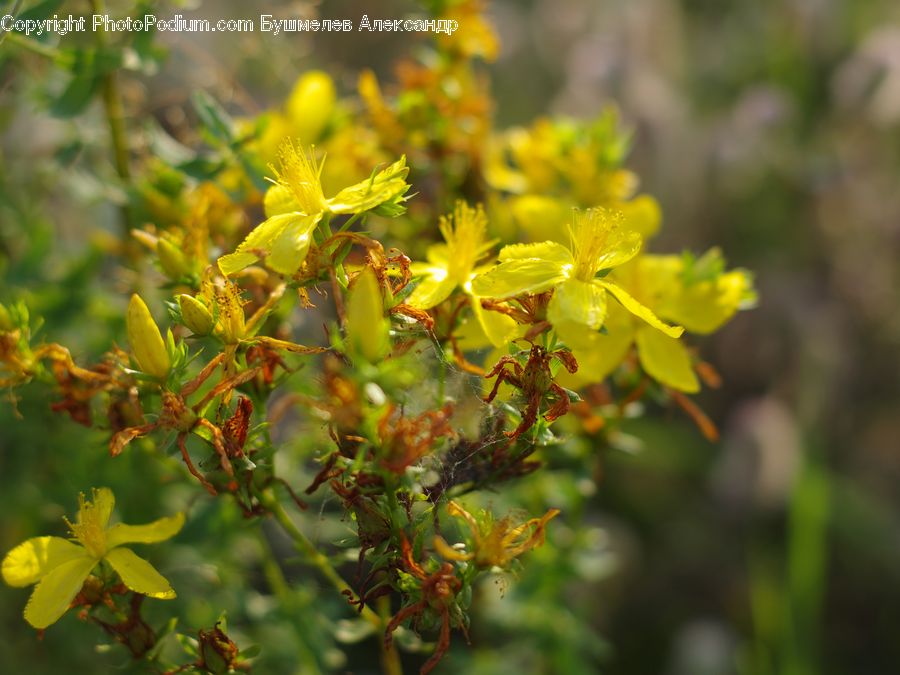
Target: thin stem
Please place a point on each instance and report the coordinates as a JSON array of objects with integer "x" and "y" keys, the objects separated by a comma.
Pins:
[
  {"x": 390, "y": 658},
  {"x": 115, "y": 118},
  {"x": 313, "y": 556},
  {"x": 35, "y": 46},
  {"x": 280, "y": 588}
]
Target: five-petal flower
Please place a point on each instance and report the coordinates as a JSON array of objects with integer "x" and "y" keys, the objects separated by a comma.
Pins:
[
  {"x": 598, "y": 242},
  {"x": 59, "y": 566},
  {"x": 295, "y": 205},
  {"x": 454, "y": 264}
]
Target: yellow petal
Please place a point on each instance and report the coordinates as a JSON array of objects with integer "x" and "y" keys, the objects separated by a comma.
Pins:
[
  {"x": 578, "y": 301},
  {"x": 517, "y": 277},
  {"x": 145, "y": 339},
  {"x": 665, "y": 359},
  {"x": 498, "y": 328},
  {"x": 235, "y": 262},
  {"x": 704, "y": 306},
  {"x": 33, "y": 559},
  {"x": 597, "y": 354},
  {"x": 432, "y": 290},
  {"x": 289, "y": 248},
  {"x": 279, "y": 200},
  {"x": 103, "y": 501},
  {"x": 387, "y": 185},
  {"x": 540, "y": 216},
  {"x": 639, "y": 310},
  {"x": 266, "y": 236},
  {"x": 139, "y": 575},
  {"x": 622, "y": 245},
  {"x": 438, "y": 255},
  {"x": 447, "y": 552},
  {"x": 158, "y": 530},
  {"x": 52, "y": 596},
  {"x": 258, "y": 241},
  {"x": 546, "y": 250},
  {"x": 642, "y": 215}
]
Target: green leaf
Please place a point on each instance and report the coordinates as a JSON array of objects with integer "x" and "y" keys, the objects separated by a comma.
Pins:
[
  {"x": 251, "y": 652},
  {"x": 78, "y": 92},
  {"x": 213, "y": 117}
]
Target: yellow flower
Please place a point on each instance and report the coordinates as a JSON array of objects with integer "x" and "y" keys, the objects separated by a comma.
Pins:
[
  {"x": 295, "y": 205},
  {"x": 578, "y": 161},
  {"x": 59, "y": 567},
  {"x": 146, "y": 342},
  {"x": 222, "y": 298},
  {"x": 598, "y": 242},
  {"x": 453, "y": 265},
  {"x": 305, "y": 115},
  {"x": 697, "y": 293},
  {"x": 495, "y": 543}
]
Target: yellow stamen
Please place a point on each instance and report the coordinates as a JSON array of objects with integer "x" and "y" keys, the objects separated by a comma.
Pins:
[
  {"x": 590, "y": 236},
  {"x": 464, "y": 233},
  {"x": 301, "y": 174},
  {"x": 89, "y": 527}
]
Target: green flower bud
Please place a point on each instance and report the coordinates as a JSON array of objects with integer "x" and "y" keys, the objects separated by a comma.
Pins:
[
  {"x": 171, "y": 259},
  {"x": 195, "y": 315}
]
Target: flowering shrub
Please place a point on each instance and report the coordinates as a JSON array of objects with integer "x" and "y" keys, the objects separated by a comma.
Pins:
[{"x": 411, "y": 306}]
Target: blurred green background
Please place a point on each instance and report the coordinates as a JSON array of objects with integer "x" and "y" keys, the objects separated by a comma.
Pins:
[{"x": 769, "y": 128}]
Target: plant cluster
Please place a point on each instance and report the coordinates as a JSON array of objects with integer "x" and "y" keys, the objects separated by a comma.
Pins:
[{"x": 431, "y": 305}]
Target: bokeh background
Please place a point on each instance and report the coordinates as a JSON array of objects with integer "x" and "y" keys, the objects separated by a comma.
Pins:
[{"x": 769, "y": 128}]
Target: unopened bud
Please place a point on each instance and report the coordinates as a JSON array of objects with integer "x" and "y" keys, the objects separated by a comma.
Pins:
[
  {"x": 218, "y": 653},
  {"x": 195, "y": 315},
  {"x": 311, "y": 104},
  {"x": 145, "y": 339},
  {"x": 171, "y": 258},
  {"x": 367, "y": 329}
]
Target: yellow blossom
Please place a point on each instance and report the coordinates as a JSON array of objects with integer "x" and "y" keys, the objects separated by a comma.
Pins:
[
  {"x": 59, "y": 566},
  {"x": 305, "y": 115},
  {"x": 495, "y": 543},
  {"x": 597, "y": 242},
  {"x": 453, "y": 264},
  {"x": 296, "y": 204},
  {"x": 699, "y": 294}
]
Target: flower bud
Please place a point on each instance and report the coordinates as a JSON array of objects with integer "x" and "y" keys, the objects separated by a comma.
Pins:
[
  {"x": 145, "y": 339},
  {"x": 6, "y": 322},
  {"x": 172, "y": 259},
  {"x": 217, "y": 651},
  {"x": 367, "y": 329},
  {"x": 310, "y": 105},
  {"x": 195, "y": 315}
]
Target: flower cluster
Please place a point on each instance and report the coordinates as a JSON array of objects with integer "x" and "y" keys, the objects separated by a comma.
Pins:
[{"x": 400, "y": 334}]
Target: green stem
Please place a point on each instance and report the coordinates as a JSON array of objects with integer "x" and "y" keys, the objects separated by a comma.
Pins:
[
  {"x": 282, "y": 591},
  {"x": 390, "y": 658},
  {"x": 115, "y": 118},
  {"x": 313, "y": 556},
  {"x": 35, "y": 47}
]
